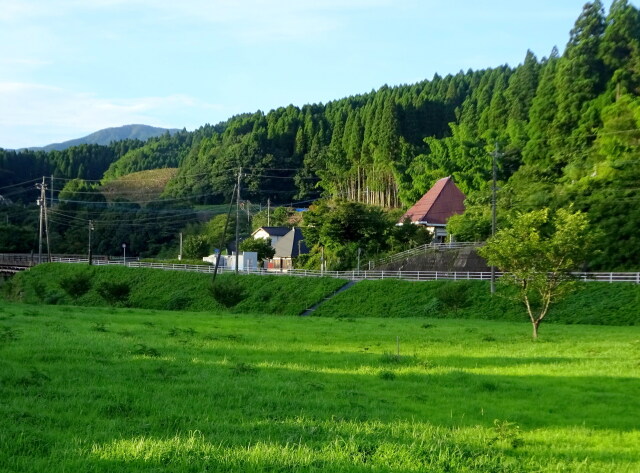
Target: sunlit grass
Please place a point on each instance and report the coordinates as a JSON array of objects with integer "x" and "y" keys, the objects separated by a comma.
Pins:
[{"x": 107, "y": 390}]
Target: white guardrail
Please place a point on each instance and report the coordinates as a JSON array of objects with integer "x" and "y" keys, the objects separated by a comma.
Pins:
[{"x": 353, "y": 275}]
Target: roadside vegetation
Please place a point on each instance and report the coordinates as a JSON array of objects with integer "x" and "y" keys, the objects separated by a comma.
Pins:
[{"x": 107, "y": 389}]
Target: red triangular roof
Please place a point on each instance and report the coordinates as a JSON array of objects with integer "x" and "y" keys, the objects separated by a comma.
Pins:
[{"x": 442, "y": 201}]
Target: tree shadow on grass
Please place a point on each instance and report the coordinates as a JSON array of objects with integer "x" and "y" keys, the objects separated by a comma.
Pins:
[{"x": 253, "y": 420}]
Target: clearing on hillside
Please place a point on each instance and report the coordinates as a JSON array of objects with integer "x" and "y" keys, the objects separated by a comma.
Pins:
[{"x": 140, "y": 187}]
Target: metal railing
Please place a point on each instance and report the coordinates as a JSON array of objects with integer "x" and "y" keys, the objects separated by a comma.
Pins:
[
  {"x": 30, "y": 259},
  {"x": 610, "y": 277},
  {"x": 424, "y": 249}
]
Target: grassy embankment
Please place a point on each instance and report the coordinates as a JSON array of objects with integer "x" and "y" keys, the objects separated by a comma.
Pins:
[
  {"x": 592, "y": 303},
  {"x": 595, "y": 303},
  {"x": 107, "y": 389},
  {"x": 95, "y": 286}
]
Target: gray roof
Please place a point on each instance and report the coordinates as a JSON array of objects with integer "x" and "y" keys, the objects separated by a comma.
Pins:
[
  {"x": 274, "y": 231},
  {"x": 287, "y": 246}
]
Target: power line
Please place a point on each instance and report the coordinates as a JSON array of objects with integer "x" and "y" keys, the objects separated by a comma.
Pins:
[{"x": 31, "y": 181}]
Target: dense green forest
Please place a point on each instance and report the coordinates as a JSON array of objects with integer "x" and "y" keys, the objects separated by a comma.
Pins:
[{"x": 563, "y": 130}]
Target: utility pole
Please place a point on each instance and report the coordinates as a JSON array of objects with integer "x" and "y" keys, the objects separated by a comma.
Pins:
[
  {"x": 46, "y": 228},
  {"x": 42, "y": 202},
  {"x": 180, "y": 254},
  {"x": 51, "y": 194},
  {"x": 494, "y": 173},
  {"x": 223, "y": 238},
  {"x": 269, "y": 212},
  {"x": 238, "y": 220},
  {"x": 90, "y": 249},
  {"x": 359, "y": 251}
]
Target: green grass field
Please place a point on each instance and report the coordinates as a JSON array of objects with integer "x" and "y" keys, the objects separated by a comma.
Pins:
[{"x": 128, "y": 390}]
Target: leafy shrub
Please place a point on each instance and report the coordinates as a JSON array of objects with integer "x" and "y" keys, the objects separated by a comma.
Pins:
[
  {"x": 114, "y": 292},
  {"x": 76, "y": 285},
  {"x": 433, "y": 307},
  {"x": 507, "y": 433},
  {"x": 454, "y": 295},
  {"x": 39, "y": 289},
  {"x": 179, "y": 301},
  {"x": 53, "y": 297},
  {"x": 196, "y": 246},
  {"x": 228, "y": 292}
]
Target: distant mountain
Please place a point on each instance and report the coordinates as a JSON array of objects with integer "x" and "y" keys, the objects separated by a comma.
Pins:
[{"x": 108, "y": 135}]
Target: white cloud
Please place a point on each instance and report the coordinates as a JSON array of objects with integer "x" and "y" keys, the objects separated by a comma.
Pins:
[
  {"x": 35, "y": 114},
  {"x": 11, "y": 10},
  {"x": 24, "y": 62},
  {"x": 245, "y": 20}
]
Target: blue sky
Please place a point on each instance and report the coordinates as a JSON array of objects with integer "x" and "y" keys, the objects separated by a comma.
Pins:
[{"x": 71, "y": 67}]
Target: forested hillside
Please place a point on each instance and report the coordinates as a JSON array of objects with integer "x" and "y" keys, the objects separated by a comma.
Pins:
[
  {"x": 563, "y": 128},
  {"x": 19, "y": 169}
]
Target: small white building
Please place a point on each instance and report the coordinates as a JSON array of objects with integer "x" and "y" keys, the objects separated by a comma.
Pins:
[
  {"x": 275, "y": 233},
  {"x": 247, "y": 261}
]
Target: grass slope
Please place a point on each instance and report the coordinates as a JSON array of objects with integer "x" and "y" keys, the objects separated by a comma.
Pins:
[
  {"x": 126, "y": 390},
  {"x": 174, "y": 290},
  {"x": 141, "y": 186},
  {"x": 592, "y": 303}
]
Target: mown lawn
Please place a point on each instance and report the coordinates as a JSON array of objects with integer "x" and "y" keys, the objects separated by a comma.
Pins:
[{"x": 104, "y": 390}]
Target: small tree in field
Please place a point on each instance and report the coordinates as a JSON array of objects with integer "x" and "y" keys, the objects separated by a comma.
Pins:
[{"x": 538, "y": 255}]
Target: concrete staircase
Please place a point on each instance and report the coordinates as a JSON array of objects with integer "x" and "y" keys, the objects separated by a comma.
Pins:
[{"x": 310, "y": 310}]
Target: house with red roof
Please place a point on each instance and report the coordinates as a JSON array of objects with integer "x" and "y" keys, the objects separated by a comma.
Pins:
[{"x": 435, "y": 208}]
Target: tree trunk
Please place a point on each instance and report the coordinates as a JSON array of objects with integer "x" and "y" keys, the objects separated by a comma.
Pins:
[{"x": 535, "y": 324}]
